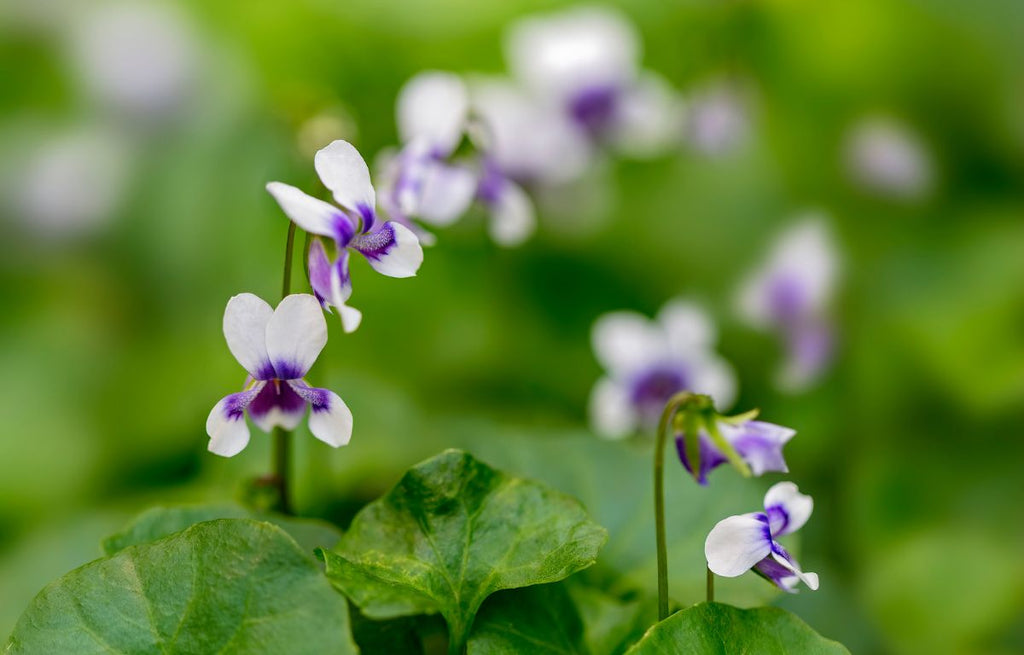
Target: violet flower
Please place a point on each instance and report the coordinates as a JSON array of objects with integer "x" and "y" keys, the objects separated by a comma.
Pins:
[
  {"x": 419, "y": 182},
  {"x": 390, "y": 248},
  {"x": 277, "y": 347},
  {"x": 584, "y": 62},
  {"x": 748, "y": 541},
  {"x": 758, "y": 443},
  {"x": 886, "y": 158},
  {"x": 790, "y": 294},
  {"x": 650, "y": 361}
]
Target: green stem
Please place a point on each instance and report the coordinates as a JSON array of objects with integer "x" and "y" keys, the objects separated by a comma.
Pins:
[
  {"x": 282, "y": 444},
  {"x": 671, "y": 407},
  {"x": 711, "y": 586}
]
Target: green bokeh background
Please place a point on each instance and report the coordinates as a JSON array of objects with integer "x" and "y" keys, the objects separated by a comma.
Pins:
[{"x": 112, "y": 354}]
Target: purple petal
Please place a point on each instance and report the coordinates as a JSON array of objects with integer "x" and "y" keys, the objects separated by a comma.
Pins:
[
  {"x": 226, "y": 423},
  {"x": 651, "y": 388},
  {"x": 277, "y": 405},
  {"x": 392, "y": 250},
  {"x": 320, "y": 272},
  {"x": 710, "y": 457},
  {"x": 595, "y": 108},
  {"x": 759, "y": 444}
]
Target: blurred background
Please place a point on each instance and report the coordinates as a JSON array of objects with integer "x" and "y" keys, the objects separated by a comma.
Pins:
[{"x": 135, "y": 142}]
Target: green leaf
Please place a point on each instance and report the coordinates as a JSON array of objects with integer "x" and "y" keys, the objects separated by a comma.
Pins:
[
  {"x": 452, "y": 532},
  {"x": 159, "y": 522},
  {"x": 611, "y": 625},
  {"x": 718, "y": 629},
  {"x": 540, "y": 620},
  {"x": 225, "y": 586}
]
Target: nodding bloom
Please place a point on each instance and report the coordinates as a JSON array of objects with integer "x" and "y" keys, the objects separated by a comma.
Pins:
[
  {"x": 790, "y": 294},
  {"x": 758, "y": 443},
  {"x": 419, "y": 181},
  {"x": 887, "y": 158},
  {"x": 748, "y": 541},
  {"x": 277, "y": 347},
  {"x": 390, "y": 248},
  {"x": 647, "y": 362},
  {"x": 584, "y": 63}
]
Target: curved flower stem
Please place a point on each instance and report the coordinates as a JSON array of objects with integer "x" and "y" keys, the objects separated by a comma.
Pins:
[
  {"x": 711, "y": 587},
  {"x": 671, "y": 407},
  {"x": 282, "y": 444}
]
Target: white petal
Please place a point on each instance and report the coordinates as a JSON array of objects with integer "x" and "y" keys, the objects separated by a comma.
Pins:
[
  {"x": 226, "y": 426},
  {"x": 296, "y": 334},
  {"x": 796, "y": 506},
  {"x": 611, "y": 413},
  {"x": 688, "y": 326},
  {"x": 342, "y": 170},
  {"x": 245, "y": 329},
  {"x": 562, "y": 52},
  {"x": 512, "y": 217},
  {"x": 393, "y": 250},
  {"x": 330, "y": 419},
  {"x": 736, "y": 544},
  {"x": 625, "y": 341},
  {"x": 433, "y": 105},
  {"x": 651, "y": 118},
  {"x": 309, "y": 213},
  {"x": 341, "y": 289},
  {"x": 713, "y": 376},
  {"x": 446, "y": 193},
  {"x": 810, "y": 579}
]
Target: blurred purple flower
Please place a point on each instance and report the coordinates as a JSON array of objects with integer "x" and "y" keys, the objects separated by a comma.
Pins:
[
  {"x": 718, "y": 120},
  {"x": 390, "y": 248},
  {"x": 757, "y": 442},
  {"x": 277, "y": 348},
  {"x": 887, "y": 158},
  {"x": 650, "y": 361},
  {"x": 748, "y": 541},
  {"x": 790, "y": 293}
]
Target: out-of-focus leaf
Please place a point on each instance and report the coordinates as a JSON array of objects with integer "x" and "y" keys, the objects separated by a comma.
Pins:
[
  {"x": 159, "y": 522},
  {"x": 452, "y": 532},
  {"x": 541, "y": 620},
  {"x": 228, "y": 586},
  {"x": 716, "y": 628},
  {"x": 611, "y": 625}
]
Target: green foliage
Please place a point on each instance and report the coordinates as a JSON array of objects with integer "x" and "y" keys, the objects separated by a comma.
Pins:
[
  {"x": 228, "y": 586},
  {"x": 718, "y": 629},
  {"x": 540, "y": 619},
  {"x": 158, "y": 522},
  {"x": 452, "y": 532}
]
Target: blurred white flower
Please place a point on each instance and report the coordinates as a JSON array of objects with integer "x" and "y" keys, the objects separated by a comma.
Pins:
[
  {"x": 647, "y": 362},
  {"x": 72, "y": 183},
  {"x": 135, "y": 57},
  {"x": 583, "y": 62},
  {"x": 790, "y": 294},
  {"x": 887, "y": 158}
]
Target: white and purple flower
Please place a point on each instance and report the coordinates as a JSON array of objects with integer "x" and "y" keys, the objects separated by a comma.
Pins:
[
  {"x": 758, "y": 443},
  {"x": 584, "y": 62},
  {"x": 649, "y": 361},
  {"x": 887, "y": 158},
  {"x": 748, "y": 541},
  {"x": 419, "y": 181},
  {"x": 390, "y": 248},
  {"x": 277, "y": 347},
  {"x": 790, "y": 294}
]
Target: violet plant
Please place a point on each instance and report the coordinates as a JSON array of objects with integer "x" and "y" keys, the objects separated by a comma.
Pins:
[{"x": 487, "y": 551}]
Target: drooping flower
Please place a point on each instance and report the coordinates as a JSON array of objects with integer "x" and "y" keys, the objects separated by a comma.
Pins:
[
  {"x": 758, "y": 443},
  {"x": 790, "y": 294},
  {"x": 647, "y": 362},
  {"x": 277, "y": 347},
  {"x": 419, "y": 182},
  {"x": 584, "y": 62},
  {"x": 390, "y": 248},
  {"x": 748, "y": 541},
  {"x": 887, "y": 158}
]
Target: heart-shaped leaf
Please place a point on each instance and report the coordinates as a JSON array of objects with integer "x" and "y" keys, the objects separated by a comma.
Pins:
[
  {"x": 225, "y": 586},
  {"x": 159, "y": 522},
  {"x": 715, "y": 628},
  {"x": 452, "y": 532},
  {"x": 540, "y": 620}
]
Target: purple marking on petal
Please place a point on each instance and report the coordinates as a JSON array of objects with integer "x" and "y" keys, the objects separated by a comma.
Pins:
[
  {"x": 319, "y": 272},
  {"x": 235, "y": 404},
  {"x": 652, "y": 388},
  {"x": 368, "y": 216},
  {"x": 787, "y": 299},
  {"x": 595, "y": 108},
  {"x": 319, "y": 399},
  {"x": 778, "y": 518},
  {"x": 344, "y": 229},
  {"x": 375, "y": 245},
  {"x": 492, "y": 183},
  {"x": 710, "y": 457},
  {"x": 265, "y": 372},
  {"x": 285, "y": 370},
  {"x": 771, "y": 569},
  {"x": 760, "y": 445},
  {"x": 275, "y": 394}
]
